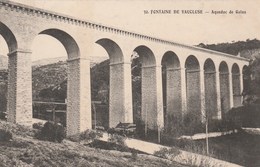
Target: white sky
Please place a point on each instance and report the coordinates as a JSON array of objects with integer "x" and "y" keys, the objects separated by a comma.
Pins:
[{"x": 128, "y": 15}]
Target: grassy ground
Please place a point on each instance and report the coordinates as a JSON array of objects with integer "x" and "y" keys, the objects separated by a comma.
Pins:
[
  {"x": 24, "y": 150},
  {"x": 240, "y": 148}
]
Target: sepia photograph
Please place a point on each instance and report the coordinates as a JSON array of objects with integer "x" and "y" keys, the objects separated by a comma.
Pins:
[{"x": 110, "y": 83}]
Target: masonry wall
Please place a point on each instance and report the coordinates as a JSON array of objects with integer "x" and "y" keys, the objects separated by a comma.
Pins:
[
  {"x": 193, "y": 93},
  {"x": 149, "y": 107},
  {"x": 210, "y": 94},
  {"x": 116, "y": 94},
  {"x": 173, "y": 105},
  {"x": 78, "y": 94},
  {"x": 236, "y": 90},
  {"x": 19, "y": 98},
  {"x": 224, "y": 93}
]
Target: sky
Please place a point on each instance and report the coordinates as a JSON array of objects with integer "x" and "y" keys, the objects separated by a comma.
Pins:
[{"x": 190, "y": 29}]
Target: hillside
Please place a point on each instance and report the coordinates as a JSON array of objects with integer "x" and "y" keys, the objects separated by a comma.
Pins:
[
  {"x": 26, "y": 151},
  {"x": 233, "y": 48}
]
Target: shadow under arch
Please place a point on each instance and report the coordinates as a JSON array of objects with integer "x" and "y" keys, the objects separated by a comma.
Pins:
[
  {"x": 224, "y": 88},
  {"x": 171, "y": 81},
  {"x": 193, "y": 87},
  {"x": 67, "y": 41},
  {"x": 8, "y": 37},
  {"x": 210, "y": 89},
  {"x": 236, "y": 85}
]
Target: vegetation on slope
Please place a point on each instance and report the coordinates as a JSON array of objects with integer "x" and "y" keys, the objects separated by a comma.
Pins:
[{"x": 24, "y": 150}]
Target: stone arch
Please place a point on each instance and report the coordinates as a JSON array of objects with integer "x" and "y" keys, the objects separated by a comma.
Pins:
[
  {"x": 78, "y": 115},
  {"x": 9, "y": 37},
  {"x": 146, "y": 55},
  {"x": 224, "y": 88},
  {"x": 67, "y": 41},
  {"x": 171, "y": 80},
  {"x": 148, "y": 86},
  {"x": 73, "y": 52},
  {"x": 193, "y": 86},
  {"x": 236, "y": 85},
  {"x": 120, "y": 95},
  {"x": 210, "y": 89},
  {"x": 113, "y": 49}
]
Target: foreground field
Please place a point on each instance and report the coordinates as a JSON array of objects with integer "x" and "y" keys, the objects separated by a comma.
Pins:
[
  {"x": 24, "y": 150},
  {"x": 241, "y": 148}
]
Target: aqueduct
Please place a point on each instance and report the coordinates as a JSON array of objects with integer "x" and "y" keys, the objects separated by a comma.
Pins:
[{"x": 198, "y": 80}]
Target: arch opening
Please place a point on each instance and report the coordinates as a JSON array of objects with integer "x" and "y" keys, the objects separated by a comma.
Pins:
[
  {"x": 3, "y": 74},
  {"x": 193, "y": 87},
  {"x": 144, "y": 81},
  {"x": 146, "y": 55},
  {"x": 113, "y": 49},
  {"x": 210, "y": 89},
  {"x": 224, "y": 88},
  {"x": 119, "y": 88},
  {"x": 50, "y": 50},
  {"x": 236, "y": 85},
  {"x": 8, "y": 44},
  {"x": 9, "y": 37},
  {"x": 171, "y": 82},
  {"x": 67, "y": 41}
]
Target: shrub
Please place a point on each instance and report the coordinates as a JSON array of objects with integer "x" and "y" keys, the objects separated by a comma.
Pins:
[
  {"x": 3, "y": 115},
  {"x": 165, "y": 152},
  {"x": 38, "y": 125},
  {"x": 88, "y": 135},
  {"x": 51, "y": 132},
  {"x": 5, "y": 135},
  {"x": 117, "y": 139},
  {"x": 134, "y": 154}
]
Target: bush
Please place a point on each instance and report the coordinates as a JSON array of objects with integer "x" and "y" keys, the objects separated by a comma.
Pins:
[
  {"x": 134, "y": 154},
  {"x": 51, "y": 132},
  {"x": 165, "y": 152},
  {"x": 5, "y": 135},
  {"x": 3, "y": 115},
  {"x": 88, "y": 135},
  {"x": 38, "y": 125},
  {"x": 117, "y": 139}
]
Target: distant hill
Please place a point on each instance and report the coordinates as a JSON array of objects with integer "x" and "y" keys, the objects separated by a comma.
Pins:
[
  {"x": 42, "y": 62},
  {"x": 233, "y": 48},
  {"x": 49, "y": 79}
]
